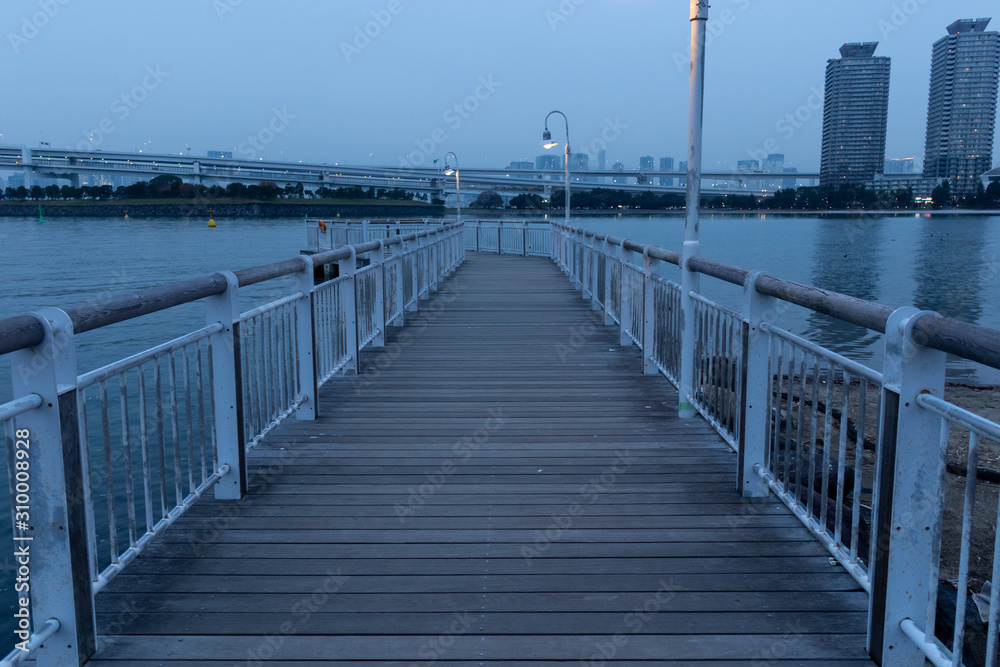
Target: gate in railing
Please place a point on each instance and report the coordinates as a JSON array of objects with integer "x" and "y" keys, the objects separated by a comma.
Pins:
[
  {"x": 858, "y": 455},
  {"x": 100, "y": 463}
]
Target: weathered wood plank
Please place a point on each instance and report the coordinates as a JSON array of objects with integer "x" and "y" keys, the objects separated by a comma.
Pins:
[{"x": 491, "y": 468}]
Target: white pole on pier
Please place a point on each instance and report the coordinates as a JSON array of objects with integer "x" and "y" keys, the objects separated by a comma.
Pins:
[{"x": 689, "y": 278}]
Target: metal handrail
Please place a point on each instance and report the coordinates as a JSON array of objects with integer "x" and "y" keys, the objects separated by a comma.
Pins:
[
  {"x": 971, "y": 341},
  {"x": 23, "y": 331}
]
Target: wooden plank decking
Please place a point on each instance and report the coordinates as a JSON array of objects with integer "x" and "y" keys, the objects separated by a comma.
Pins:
[{"x": 501, "y": 486}]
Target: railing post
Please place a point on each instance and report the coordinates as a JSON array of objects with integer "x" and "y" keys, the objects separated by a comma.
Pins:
[
  {"x": 608, "y": 259},
  {"x": 755, "y": 381},
  {"x": 432, "y": 261},
  {"x": 909, "y": 487},
  {"x": 524, "y": 239},
  {"x": 690, "y": 282},
  {"x": 306, "y": 343},
  {"x": 576, "y": 267},
  {"x": 415, "y": 273},
  {"x": 55, "y": 540},
  {"x": 400, "y": 319},
  {"x": 349, "y": 298},
  {"x": 649, "y": 269},
  {"x": 623, "y": 296},
  {"x": 499, "y": 237},
  {"x": 477, "y": 235},
  {"x": 227, "y": 388},
  {"x": 595, "y": 264},
  {"x": 585, "y": 263},
  {"x": 378, "y": 257}
]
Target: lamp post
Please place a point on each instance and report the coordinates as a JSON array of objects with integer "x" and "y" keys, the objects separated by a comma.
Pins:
[
  {"x": 448, "y": 171},
  {"x": 548, "y": 143}
]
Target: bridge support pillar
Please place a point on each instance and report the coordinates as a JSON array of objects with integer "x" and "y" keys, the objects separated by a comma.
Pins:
[
  {"x": 755, "y": 387},
  {"x": 909, "y": 484},
  {"x": 49, "y": 497}
]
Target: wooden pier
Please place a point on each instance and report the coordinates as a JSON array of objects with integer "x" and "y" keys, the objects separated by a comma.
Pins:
[{"x": 501, "y": 485}]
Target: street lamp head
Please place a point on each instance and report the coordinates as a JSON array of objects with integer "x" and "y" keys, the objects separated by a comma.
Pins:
[
  {"x": 448, "y": 171},
  {"x": 547, "y": 140}
]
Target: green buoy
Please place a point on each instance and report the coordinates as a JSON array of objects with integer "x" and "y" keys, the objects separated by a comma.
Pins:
[{"x": 41, "y": 218}]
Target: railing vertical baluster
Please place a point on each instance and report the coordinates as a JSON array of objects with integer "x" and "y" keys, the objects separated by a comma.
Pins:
[
  {"x": 60, "y": 567},
  {"x": 349, "y": 295},
  {"x": 909, "y": 485},
  {"x": 305, "y": 342},
  {"x": 595, "y": 302},
  {"x": 432, "y": 261},
  {"x": 175, "y": 428},
  {"x": 524, "y": 239},
  {"x": 400, "y": 315},
  {"x": 227, "y": 389}
]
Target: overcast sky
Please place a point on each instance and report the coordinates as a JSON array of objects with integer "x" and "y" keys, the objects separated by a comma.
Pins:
[{"x": 377, "y": 82}]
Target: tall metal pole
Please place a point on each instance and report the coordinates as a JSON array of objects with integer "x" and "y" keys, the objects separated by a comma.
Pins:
[
  {"x": 547, "y": 143},
  {"x": 689, "y": 278},
  {"x": 567, "y": 174},
  {"x": 458, "y": 193}
]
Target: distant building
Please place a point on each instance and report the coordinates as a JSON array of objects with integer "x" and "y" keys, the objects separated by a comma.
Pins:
[
  {"x": 855, "y": 108},
  {"x": 646, "y": 163},
  {"x": 922, "y": 187},
  {"x": 789, "y": 182},
  {"x": 548, "y": 162},
  {"x": 618, "y": 167},
  {"x": 521, "y": 165},
  {"x": 774, "y": 163},
  {"x": 905, "y": 165},
  {"x": 221, "y": 155},
  {"x": 16, "y": 181},
  {"x": 666, "y": 164},
  {"x": 602, "y": 160},
  {"x": 683, "y": 166},
  {"x": 579, "y": 162},
  {"x": 749, "y": 167},
  {"x": 962, "y": 105}
]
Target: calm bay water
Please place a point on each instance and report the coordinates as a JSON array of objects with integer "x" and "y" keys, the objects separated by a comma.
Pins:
[{"x": 947, "y": 263}]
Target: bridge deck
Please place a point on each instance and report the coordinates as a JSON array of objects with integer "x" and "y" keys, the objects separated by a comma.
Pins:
[{"x": 502, "y": 485}]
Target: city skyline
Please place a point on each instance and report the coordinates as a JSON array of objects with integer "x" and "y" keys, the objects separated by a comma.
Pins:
[{"x": 279, "y": 105}]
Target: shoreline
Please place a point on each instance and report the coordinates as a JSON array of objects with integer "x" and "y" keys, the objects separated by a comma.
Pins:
[{"x": 220, "y": 209}]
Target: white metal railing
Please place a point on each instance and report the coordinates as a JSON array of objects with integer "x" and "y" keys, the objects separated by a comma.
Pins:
[
  {"x": 858, "y": 455},
  {"x": 101, "y": 463}
]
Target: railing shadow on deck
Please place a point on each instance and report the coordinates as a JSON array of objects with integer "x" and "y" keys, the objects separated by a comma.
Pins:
[
  {"x": 101, "y": 463},
  {"x": 858, "y": 454}
]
